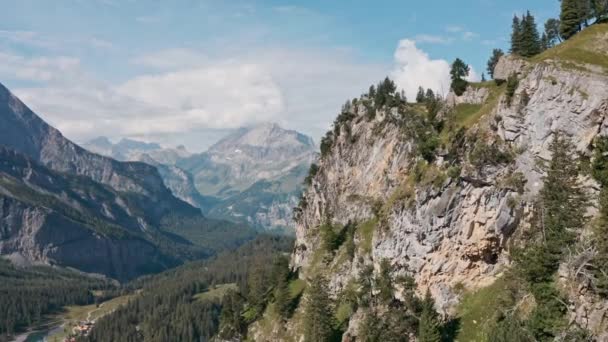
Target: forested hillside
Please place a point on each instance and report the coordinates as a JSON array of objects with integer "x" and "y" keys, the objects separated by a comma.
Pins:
[{"x": 197, "y": 301}]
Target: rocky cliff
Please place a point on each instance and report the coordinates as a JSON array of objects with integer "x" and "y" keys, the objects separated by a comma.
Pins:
[{"x": 447, "y": 219}]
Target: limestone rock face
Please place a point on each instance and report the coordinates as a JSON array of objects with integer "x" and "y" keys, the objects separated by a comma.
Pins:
[
  {"x": 472, "y": 95},
  {"x": 509, "y": 65},
  {"x": 451, "y": 233}
]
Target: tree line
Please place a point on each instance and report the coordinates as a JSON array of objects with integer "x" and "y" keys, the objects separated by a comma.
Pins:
[{"x": 28, "y": 294}]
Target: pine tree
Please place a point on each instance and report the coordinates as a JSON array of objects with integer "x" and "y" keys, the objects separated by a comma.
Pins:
[
  {"x": 600, "y": 262},
  {"x": 429, "y": 329},
  {"x": 563, "y": 198},
  {"x": 420, "y": 95},
  {"x": 600, "y": 9},
  {"x": 552, "y": 31},
  {"x": 318, "y": 315},
  {"x": 516, "y": 35},
  {"x": 529, "y": 38},
  {"x": 544, "y": 43},
  {"x": 493, "y": 61},
  {"x": 570, "y": 19},
  {"x": 459, "y": 71},
  {"x": 483, "y": 77}
]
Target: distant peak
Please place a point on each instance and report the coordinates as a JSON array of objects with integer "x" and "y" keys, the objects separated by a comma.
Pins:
[
  {"x": 267, "y": 135},
  {"x": 101, "y": 140}
]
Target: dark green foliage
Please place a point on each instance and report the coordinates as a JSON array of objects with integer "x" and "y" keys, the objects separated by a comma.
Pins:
[
  {"x": 530, "y": 38},
  {"x": 496, "y": 55},
  {"x": 600, "y": 9},
  {"x": 570, "y": 18},
  {"x": 510, "y": 329},
  {"x": 166, "y": 310},
  {"x": 600, "y": 262},
  {"x": 459, "y": 71},
  {"x": 232, "y": 324},
  {"x": 384, "y": 283},
  {"x": 280, "y": 277},
  {"x": 420, "y": 95},
  {"x": 516, "y": 36},
  {"x": 525, "y": 38},
  {"x": 393, "y": 326},
  {"x": 489, "y": 154},
  {"x": 552, "y": 32},
  {"x": 400, "y": 320},
  {"x": 329, "y": 237},
  {"x": 512, "y": 84},
  {"x": 385, "y": 93},
  {"x": 483, "y": 77},
  {"x": 318, "y": 312},
  {"x": 429, "y": 329},
  {"x": 312, "y": 172},
  {"x": 560, "y": 214},
  {"x": 27, "y": 294},
  {"x": 326, "y": 143}
]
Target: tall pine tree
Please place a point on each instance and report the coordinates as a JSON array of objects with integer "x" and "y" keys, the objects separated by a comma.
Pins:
[
  {"x": 570, "y": 18},
  {"x": 318, "y": 314},
  {"x": 516, "y": 34},
  {"x": 429, "y": 328},
  {"x": 529, "y": 38}
]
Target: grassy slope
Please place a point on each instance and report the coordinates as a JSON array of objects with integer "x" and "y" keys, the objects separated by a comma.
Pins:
[
  {"x": 587, "y": 47},
  {"x": 216, "y": 293}
]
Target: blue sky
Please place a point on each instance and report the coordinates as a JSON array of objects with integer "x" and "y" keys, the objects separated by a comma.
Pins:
[{"x": 184, "y": 71}]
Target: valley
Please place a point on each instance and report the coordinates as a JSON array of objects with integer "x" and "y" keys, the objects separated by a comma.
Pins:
[{"x": 442, "y": 204}]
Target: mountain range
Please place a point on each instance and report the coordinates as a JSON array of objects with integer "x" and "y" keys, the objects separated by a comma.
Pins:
[
  {"x": 254, "y": 175},
  {"x": 64, "y": 205}
]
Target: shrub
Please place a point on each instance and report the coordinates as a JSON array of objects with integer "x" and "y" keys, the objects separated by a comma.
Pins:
[{"x": 512, "y": 84}]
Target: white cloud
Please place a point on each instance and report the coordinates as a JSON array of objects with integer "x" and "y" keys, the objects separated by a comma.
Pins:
[
  {"x": 189, "y": 93},
  {"x": 414, "y": 68},
  {"x": 38, "y": 69},
  {"x": 215, "y": 96},
  {"x": 433, "y": 39}
]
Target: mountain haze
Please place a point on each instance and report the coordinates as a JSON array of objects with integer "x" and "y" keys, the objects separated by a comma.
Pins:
[{"x": 67, "y": 206}]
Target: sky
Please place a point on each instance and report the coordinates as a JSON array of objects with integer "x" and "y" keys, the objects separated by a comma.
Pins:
[{"x": 188, "y": 71}]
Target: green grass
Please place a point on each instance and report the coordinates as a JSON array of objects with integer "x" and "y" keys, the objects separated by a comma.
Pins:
[
  {"x": 587, "y": 47},
  {"x": 296, "y": 287},
  {"x": 477, "y": 311},
  {"x": 366, "y": 234},
  {"x": 215, "y": 293},
  {"x": 467, "y": 115}
]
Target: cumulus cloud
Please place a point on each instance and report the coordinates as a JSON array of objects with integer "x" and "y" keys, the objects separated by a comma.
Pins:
[
  {"x": 185, "y": 94},
  {"x": 225, "y": 95},
  {"x": 414, "y": 68}
]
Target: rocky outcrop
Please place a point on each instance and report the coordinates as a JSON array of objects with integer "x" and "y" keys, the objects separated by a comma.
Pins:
[
  {"x": 473, "y": 95},
  {"x": 448, "y": 231},
  {"x": 509, "y": 65}
]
